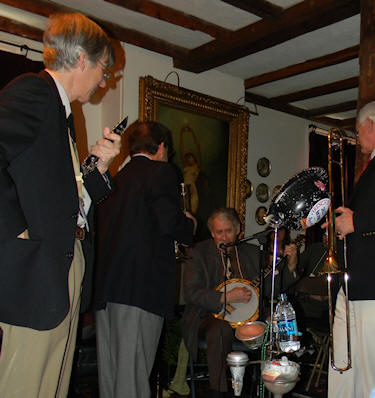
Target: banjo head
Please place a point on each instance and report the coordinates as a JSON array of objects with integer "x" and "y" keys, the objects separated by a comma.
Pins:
[{"x": 238, "y": 314}]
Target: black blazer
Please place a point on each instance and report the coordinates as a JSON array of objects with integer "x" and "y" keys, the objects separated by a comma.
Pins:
[
  {"x": 361, "y": 243},
  {"x": 137, "y": 227},
  {"x": 37, "y": 192}
]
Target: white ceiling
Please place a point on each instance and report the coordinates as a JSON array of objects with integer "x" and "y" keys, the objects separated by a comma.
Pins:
[{"x": 320, "y": 42}]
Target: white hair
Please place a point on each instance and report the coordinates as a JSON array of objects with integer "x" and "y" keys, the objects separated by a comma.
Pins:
[{"x": 367, "y": 111}]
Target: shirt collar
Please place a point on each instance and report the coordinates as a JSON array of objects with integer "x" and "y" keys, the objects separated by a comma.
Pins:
[
  {"x": 63, "y": 96},
  {"x": 141, "y": 154}
]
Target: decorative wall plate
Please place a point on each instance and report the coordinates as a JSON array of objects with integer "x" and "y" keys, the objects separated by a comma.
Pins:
[
  {"x": 263, "y": 167},
  {"x": 248, "y": 189},
  {"x": 276, "y": 190},
  {"x": 262, "y": 193},
  {"x": 260, "y": 214}
]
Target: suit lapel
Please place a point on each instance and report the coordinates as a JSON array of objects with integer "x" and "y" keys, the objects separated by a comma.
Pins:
[
  {"x": 64, "y": 130},
  {"x": 215, "y": 267}
]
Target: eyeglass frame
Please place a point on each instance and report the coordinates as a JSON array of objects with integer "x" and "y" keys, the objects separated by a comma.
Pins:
[{"x": 106, "y": 73}]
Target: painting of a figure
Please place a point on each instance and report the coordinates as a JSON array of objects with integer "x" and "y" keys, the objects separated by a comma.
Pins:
[
  {"x": 201, "y": 145},
  {"x": 210, "y": 142}
]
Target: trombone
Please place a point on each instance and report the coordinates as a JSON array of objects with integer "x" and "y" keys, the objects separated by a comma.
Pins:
[{"x": 331, "y": 265}]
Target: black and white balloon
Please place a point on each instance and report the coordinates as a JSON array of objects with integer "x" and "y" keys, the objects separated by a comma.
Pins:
[{"x": 302, "y": 201}]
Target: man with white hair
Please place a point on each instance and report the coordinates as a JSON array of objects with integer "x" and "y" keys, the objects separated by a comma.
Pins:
[
  {"x": 209, "y": 266},
  {"x": 46, "y": 241},
  {"x": 356, "y": 222}
]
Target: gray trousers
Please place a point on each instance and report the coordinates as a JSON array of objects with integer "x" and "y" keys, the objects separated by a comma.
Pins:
[{"x": 127, "y": 340}]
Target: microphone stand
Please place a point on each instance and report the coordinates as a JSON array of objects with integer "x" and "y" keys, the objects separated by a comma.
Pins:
[
  {"x": 258, "y": 236},
  {"x": 262, "y": 264}
]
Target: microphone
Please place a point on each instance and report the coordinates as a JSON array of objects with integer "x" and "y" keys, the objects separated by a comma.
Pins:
[{"x": 221, "y": 245}]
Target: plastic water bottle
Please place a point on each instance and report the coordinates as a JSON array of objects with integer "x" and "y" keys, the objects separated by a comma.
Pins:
[
  {"x": 287, "y": 326},
  {"x": 275, "y": 329}
]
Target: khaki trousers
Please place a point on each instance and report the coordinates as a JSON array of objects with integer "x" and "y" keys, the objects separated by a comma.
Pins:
[
  {"x": 359, "y": 381},
  {"x": 37, "y": 364}
]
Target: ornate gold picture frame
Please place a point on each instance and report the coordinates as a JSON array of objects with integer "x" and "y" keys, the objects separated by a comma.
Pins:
[{"x": 210, "y": 137}]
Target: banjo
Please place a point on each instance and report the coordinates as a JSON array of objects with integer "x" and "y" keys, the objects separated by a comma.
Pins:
[{"x": 237, "y": 314}]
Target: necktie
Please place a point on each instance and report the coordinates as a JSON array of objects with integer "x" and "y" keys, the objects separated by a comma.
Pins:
[
  {"x": 76, "y": 167},
  {"x": 366, "y": 164}
]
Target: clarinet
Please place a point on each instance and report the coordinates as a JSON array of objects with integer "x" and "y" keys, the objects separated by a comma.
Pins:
[
  {"x": 178, "y": 246},
  {"x": 89, "y": 164}
]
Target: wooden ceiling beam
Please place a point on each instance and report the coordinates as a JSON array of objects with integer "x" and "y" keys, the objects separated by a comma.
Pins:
[
  {"x": 278, "y": 106},
  {"x": 46, "y": 8},
  {"x": 326, "y": 110},
  {"x": 303, "y": 67},
  {"x": 167, "y": 14},
  {"x": 295, "y": 111},
  {"x": 338, "y": 123},
  {"x": 39, "y": 7},
  {"x": 348, "y": 123},
  {"x": 302, "y": 18},
  {"x": 329, "y": 88},
  {"x": 20, "y": 29},
  {"x": 260, "y": 8}
]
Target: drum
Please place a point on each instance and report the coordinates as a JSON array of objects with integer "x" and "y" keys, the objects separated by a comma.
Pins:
[
  {"x": 251, "y": 334},
  {"x": 238, "y": 314}
]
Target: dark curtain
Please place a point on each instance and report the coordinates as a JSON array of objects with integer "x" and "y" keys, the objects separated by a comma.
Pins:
[
  {"x": 13, "y": 65},
  {"x": 318, "y": 156}
]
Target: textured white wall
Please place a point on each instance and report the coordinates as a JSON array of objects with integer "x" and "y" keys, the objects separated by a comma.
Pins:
[{"x": 282, "y": 138}]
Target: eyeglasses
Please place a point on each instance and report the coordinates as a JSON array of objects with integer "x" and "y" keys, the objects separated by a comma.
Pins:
[{"x": 106, "y": 72}]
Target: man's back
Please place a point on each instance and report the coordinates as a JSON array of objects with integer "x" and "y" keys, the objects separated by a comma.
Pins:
[{"x": 137, "y": 227}]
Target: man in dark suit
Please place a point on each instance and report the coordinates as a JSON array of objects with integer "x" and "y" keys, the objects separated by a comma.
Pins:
[
  {"x": 42, "y": 263},
  {"x": 136, "y": 280},
  {"x": 356, "y": 222},
  {"x": 207, "y": 269}
]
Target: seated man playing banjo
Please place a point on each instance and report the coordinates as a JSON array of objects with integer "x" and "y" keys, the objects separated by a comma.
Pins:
[{"x": 210, "y": 268}]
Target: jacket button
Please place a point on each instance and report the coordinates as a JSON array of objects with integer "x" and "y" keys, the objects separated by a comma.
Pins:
[{"x": 69, "y": 255}]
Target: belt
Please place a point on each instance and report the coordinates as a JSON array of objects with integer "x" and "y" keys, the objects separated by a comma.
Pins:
[{"x": 80, "y": 233}]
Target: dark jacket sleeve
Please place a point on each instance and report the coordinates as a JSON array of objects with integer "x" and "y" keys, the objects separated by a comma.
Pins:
[
  {"x": 97, "y": 185},
  {"x": 197, "y": 291}
]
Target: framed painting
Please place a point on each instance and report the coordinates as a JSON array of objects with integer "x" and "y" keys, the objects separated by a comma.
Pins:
[{"x": 210, "y": 138}]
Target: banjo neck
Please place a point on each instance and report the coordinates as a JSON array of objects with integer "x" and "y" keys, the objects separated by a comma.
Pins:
[{"x": 298, "y": 241}]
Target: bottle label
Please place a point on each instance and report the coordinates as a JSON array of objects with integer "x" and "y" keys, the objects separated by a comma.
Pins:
[{"x": 288, "y": 327}]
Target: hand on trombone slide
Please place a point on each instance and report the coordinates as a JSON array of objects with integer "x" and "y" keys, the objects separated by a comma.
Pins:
[{"x": 344, "y": 222}]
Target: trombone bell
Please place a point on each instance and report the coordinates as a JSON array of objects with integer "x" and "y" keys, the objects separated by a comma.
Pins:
[{"x": 331, "y": 265}]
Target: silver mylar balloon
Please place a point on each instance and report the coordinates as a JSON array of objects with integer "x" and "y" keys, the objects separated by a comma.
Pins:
[{"x": 302, "y": 201}]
